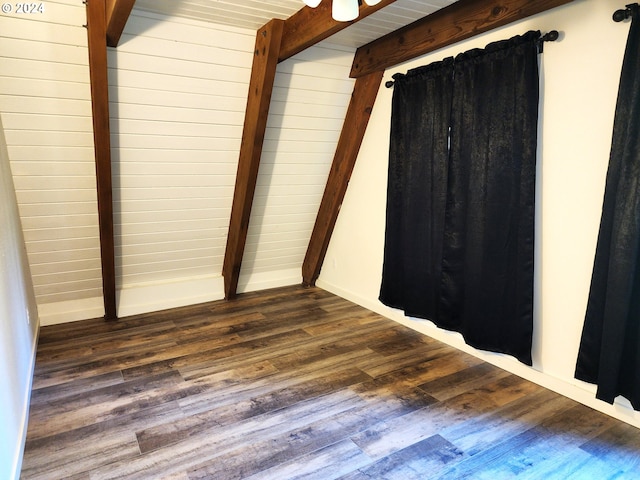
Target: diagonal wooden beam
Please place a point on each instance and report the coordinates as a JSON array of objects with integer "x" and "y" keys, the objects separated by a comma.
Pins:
[
  {"x": 458, "y": 21},
  {"x": 117, "y": 14},
  {"x": 263, "y": 71},
  {"x": 97, "y": 42},
  {"x": 463, "y": 19},
  {"x": 355, "y": 124},
  {"x": 275, "y": 42},
  {"x": 309, "y": 26}
]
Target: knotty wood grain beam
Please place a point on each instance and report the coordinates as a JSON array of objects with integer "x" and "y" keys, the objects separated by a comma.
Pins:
[
  {"x": 117, "y": 14},
  {"x": 355, "y": 124},
  {"x": 97, "y": 41},
  {"x": 309, "y": 26},
  {"x": 458, "y": 21},
  {"x": 263, "y": 71}
]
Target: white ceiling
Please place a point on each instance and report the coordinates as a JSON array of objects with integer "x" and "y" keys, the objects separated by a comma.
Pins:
[{"x": 253, "y": 14}]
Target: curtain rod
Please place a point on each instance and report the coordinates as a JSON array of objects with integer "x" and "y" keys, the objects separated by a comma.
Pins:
[
  {"x": 550, "y": 36},
  {"x": 624, "y": 13}
]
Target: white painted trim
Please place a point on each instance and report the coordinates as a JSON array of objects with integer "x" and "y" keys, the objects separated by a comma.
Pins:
[
  {"x": 153, "y": 296},
  {"x": 577, "y": 390},
  {"x": 70, "y": 311},
  {"x": 264, "y": 280}
]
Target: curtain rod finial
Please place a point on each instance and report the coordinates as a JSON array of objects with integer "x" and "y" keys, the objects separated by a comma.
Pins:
[
  {"x": 550, "y": 36},
  {"x": 623, "y": 13}
]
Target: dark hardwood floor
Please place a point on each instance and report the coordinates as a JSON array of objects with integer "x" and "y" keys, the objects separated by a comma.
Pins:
[{"x": 297, "y": 383}]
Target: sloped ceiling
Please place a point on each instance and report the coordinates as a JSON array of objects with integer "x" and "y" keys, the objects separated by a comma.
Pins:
[{"x": 253, "y": 14}]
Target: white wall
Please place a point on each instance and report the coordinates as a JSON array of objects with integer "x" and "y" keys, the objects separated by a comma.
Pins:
[
  {"x": 18, "y": 326},
  {"x": 178, "y": 90},
  {"x": 46, "y": 111},
  {"x": 579, "y": 77}
]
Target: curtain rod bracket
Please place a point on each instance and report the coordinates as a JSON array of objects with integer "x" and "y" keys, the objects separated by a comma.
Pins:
[
  {"x": 550, "y": 36},
  {"x": 624, "y": 13}
]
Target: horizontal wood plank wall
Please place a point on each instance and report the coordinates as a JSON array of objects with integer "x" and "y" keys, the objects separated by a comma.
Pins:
[
  {"x": 309, "y": 102},
  {"x": 178, "y": 91},
  {"x": 247, "y": 14},
  {"x": 46, "y": 111}
]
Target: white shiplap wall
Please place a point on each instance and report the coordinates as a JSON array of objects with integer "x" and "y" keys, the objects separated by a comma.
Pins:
[
  {"x": 178, "y": 92},
  {"x": 311, "y": 94},
  {"x": 46, "y": 111},
  {"x": 249, "y": 14},
  {"x": 252, "y": 14}
]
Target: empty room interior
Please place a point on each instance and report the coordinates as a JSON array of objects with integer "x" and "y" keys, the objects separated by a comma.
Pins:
[{"x": 328, "y": 239}]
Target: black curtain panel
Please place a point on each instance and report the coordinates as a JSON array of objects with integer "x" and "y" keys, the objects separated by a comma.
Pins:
[
  {"x": 417, "y": 187},
  {"x": 609, "y": 353},
  {"x": 460, "y": 216},
  {"x": 487, "y": 283}
]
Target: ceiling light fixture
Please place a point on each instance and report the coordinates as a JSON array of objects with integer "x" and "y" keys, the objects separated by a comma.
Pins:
[{"x": 343, "y": 10}]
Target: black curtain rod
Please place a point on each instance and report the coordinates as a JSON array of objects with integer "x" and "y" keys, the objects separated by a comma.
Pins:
[
  {"x": 624, "y": 13},
  {"x": 550, "y": 36}
]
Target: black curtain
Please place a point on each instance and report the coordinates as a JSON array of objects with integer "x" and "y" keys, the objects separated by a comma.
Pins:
[
  {"x": 609, "y": 354},
  {"x": 460, "y": 215},
  {"x": 417, "y": 188}
]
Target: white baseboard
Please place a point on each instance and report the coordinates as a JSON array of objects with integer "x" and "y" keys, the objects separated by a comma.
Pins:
[
  {"x": 151, "y": 297},
  {"x": 574, "y": 389},
  {"x": 154, "y": 296},
  {"x": 70, "y": 311},
  {"x": 261, "y": 281}
]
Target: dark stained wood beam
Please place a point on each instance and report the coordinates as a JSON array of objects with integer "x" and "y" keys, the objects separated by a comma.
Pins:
[
  {"x": 117, "y": 14},
  {"x": 275, "y": 42},
  {"x": 263, "y": 71},
  {"x": 309, "y": 26},
  {"x": 353, "y": 130},
  {"x": 458, "y": 21},
  {"x": 97, "y": 41}
]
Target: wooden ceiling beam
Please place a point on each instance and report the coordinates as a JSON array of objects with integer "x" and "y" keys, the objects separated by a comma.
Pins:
[
  {"x": 355, "y": 124},
  {"x": 275, "y": 42},
  {"x": 309, "y": 26},
  {"x": 449, "y": 25},
  {"x": 263, "y": 72},
  {"x": 461, "y": 20},
  {"x": 97, "y": 42},
  {"x": 118, "y": 12}
]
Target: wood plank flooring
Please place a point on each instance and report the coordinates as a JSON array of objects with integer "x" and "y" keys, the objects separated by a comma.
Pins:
[{"x": 296, "y": 383}]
